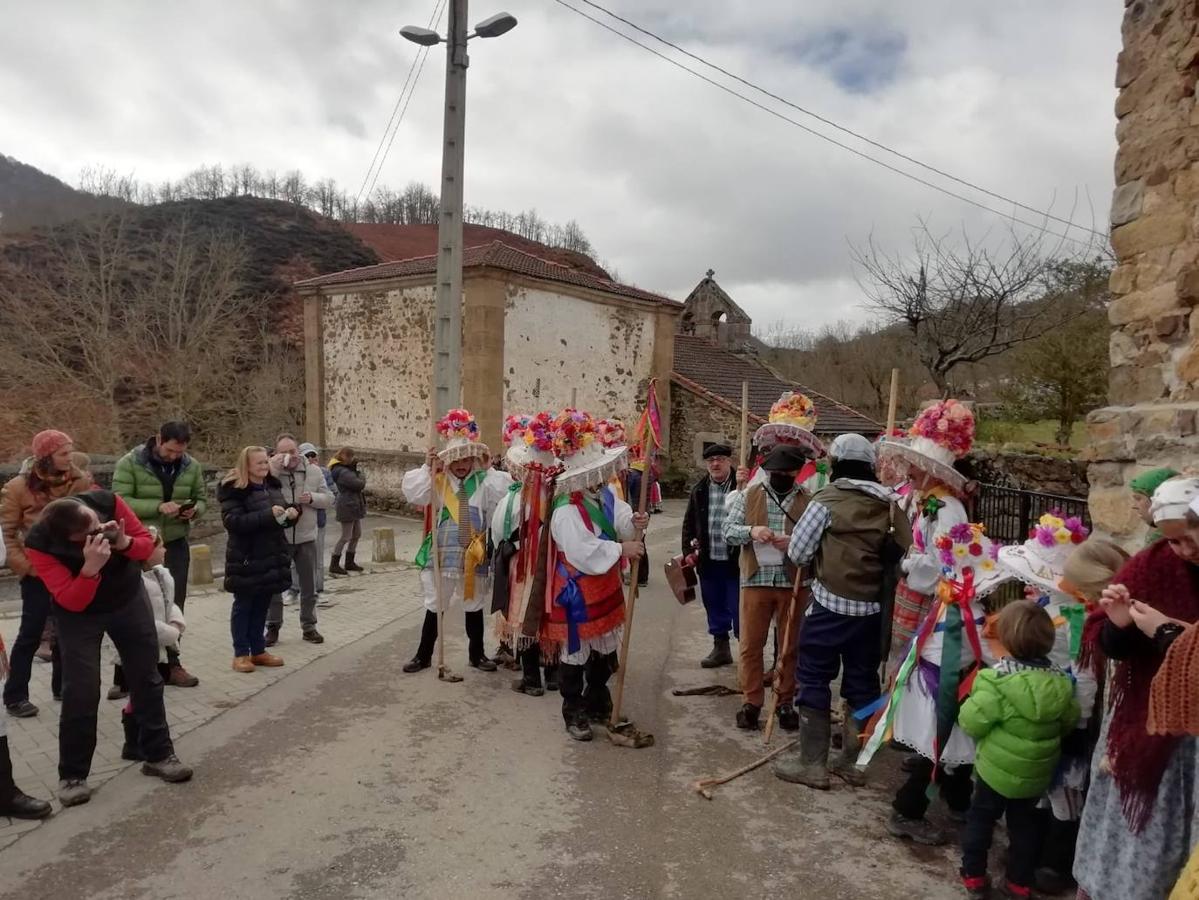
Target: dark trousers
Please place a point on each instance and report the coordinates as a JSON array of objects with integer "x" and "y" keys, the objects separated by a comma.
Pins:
[
  {"x": 36, "y": 608},
  {"x": 303, "y": 557},
  {"x": 474, "y": 636},
  {"x": 131, "y": 629},
  {"x": 178, "y": 562},
  {"x": 720, "y": 589},
  {"x": 247, "y": 620},
  {"x": 1057, "y": 841},
  {"x": 911, "y": 800},
  {"x": 585, "y": 694},
  {"x": 830, "y": 642},
  {"x": 1022, "y": 831}
]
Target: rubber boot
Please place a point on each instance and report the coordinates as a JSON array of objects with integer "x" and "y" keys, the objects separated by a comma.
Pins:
[
  {"x": 428, "y": 639},
  {"x": 721, "y": 655},
  {"x": 14, "y": 802},
  {"x": 474, "y": 639},
  {"x": 809, "y": 764},
  {"x": 844, "y": 764},
  {"x": 352, "y": 566},
  {"x": 335, "y": 566},
  {"x": 132, "y": 749}
]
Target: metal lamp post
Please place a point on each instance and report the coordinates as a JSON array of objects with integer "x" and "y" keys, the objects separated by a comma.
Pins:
[{"x": 447, "y": 352}]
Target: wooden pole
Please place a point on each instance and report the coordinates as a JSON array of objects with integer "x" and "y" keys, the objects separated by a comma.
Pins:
[
  {"x": 443, "y": 673},
  {"x": 704, "y": 786},
  {"x": 794, "y": 617},
  {"x": 634, "y": 575},
  {"x": 894, "y": 401},
  {"x": 744, "y": 456}
]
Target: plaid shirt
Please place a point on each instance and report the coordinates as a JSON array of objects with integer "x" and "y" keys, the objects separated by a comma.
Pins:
[
  {"x": 738, "y": 533},
  {"x": 718, "y": 548},
  {"x": 805, "y": 543}
]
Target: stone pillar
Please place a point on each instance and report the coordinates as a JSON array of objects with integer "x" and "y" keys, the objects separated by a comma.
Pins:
[
  {"x": 1154, "y": 387},
  {"x": 483, "y": 355}
]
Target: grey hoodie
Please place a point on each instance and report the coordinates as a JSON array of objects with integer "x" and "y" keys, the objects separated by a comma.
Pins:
[{"x": 303, "y": 478}]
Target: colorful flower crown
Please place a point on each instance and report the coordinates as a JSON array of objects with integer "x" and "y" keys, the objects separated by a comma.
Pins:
[
  {"x": 949, "y": 423},
  {"x": 514, "y": 428},
  {"x": 1052, "y": 530},
  {"x": 539, "y": 433},
  {"x": 793, "y": 408},
  {"x": 458, "y": 423},
  {"x": 966, "y": 544},
  {"x": 572, "y": 430},
  {"x": 611, "y": 432}
]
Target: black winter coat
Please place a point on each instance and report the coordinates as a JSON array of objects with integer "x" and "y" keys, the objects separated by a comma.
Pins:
[
  {"x": 695, "y": 525},
  {"x": 257, "y": 555},
  {"x": 351, "y": 504}
]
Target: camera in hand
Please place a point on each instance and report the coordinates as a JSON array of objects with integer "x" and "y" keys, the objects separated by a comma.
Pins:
[{"x": 108, "y": 531}]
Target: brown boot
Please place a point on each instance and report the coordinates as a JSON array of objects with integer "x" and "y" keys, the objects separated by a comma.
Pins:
[
  {"x": 180, "y": 677},
  {"x": 243, "y": 664},
  {"x": 269, "y": 660}
]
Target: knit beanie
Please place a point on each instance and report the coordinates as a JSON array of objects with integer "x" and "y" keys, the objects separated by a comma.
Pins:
[
  {"x": 1148, "y": 482},
  {"x": 47, "y": 443}
]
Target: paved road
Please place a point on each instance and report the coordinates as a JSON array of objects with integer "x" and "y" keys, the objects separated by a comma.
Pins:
[{"x": 350, "y": 779}]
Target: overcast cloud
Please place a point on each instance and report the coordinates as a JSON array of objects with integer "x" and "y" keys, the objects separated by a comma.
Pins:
[{"x": 667, "y": 175}]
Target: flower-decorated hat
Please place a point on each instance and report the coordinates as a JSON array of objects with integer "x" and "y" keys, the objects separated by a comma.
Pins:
[
  {"x": 530, "y": 443},
  {"x": 941, "y": 435},
  {"x": 611, "y": 432},
  {"x": 966, "y": 546},
  {"x": 461, "y": 435},
  {"x": 586, "y": 463},
  {"x": 1041, "y": 559},
  {"x": 791, "y": 421}
]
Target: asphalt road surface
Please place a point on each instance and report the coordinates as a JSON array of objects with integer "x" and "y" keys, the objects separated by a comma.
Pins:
[{"x": 351, "y": 779}]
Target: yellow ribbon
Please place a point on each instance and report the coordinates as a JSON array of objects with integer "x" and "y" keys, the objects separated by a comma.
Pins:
[{"x": 475, "y": 556}]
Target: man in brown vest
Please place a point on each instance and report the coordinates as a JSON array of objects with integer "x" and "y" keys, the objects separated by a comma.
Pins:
[
  {"x": 760, "y": 519},
  {"x": 848, "y": 534}
]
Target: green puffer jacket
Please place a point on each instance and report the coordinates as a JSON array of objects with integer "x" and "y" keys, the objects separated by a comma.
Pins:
[
  {"x": 1019, "y": 720},
  {"x": 135, "y": 481}
]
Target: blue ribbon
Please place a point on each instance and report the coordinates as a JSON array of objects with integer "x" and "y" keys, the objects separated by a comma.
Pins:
[{"x": 570, "y": 598}]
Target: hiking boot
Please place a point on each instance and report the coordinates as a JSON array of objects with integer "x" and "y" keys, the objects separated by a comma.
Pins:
[
  {"x": 504, "y": 657},
  {"x": 483, "y": 664},
  {"x": 788, "y": 717},
  {"x": 352, "y": 566},
  {"x": 580, "y": 730},
  {"x": 919, "y": 830},
  {"x": 267, "y": 660},
  {"x": 808, "y": 765},
  {"x": 977, "y": 887},
  {"x": 720, "y": 655},
  {"x": 335, "y": 566},
  {"x": 21, "y": 806},
  {"x": 747, "y": 717},
  {"x": 73, "y": 791},
  {"x": 416, "y": 664},
  {"x": 180, "y": 677},
  {"x": 845, "y": 764},
  {"x": 130, "y": 749},
  {"x": 169, "y": 770},
  {"x": 313, "y": 636},
  {"x": 271, "y": 636},
  {"x": 243, "y": 664},
  {"x": 22, "y": 709},
  {"x": 524, "y": 687}
]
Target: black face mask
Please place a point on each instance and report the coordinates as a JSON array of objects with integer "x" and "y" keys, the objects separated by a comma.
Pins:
[{"x": 781, "y": 482}]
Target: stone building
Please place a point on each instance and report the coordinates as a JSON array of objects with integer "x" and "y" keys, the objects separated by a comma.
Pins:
[
  {"x": 714, "y": 353},
  {"x": 1154, "y": 387},
  {"x": 534, "y": 332}
]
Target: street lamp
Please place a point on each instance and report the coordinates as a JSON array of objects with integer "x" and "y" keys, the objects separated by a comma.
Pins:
[{"x": 447, "y": 350}]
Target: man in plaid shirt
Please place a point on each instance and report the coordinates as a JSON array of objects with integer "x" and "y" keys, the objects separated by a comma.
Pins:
[
  {"x": 760, "y": 520},
  {"x": 703, "y": 533},
  {"x": 842, "y": 537}
]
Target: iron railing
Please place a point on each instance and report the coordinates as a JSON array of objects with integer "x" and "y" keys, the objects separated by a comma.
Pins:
[{"x": 1009, "y": 512}]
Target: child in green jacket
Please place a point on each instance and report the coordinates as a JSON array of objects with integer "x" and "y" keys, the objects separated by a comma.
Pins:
[{"x": 1018, "y": 712}]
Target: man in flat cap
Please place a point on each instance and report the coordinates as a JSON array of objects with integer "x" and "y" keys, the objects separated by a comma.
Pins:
[{"x": 703, "y": 531}]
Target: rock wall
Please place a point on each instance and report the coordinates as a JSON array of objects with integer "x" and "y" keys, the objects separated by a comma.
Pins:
[
  {"x": 694, "y": 422},
  {"x": 1029, "y": 472},
  {"x": 1154, "y": 387}
]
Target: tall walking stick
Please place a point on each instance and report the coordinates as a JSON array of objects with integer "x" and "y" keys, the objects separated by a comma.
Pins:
[
  {"x": 894, "y": 401},
  {"x": 744, "y": 447},
  {"x": 794, "y": 620}
]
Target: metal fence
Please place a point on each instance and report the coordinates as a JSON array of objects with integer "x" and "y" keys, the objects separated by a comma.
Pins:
[{"x": 1009, "y": 512}]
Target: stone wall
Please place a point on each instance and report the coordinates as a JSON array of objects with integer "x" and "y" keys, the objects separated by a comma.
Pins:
[
  {"x": 1154, "y": 387},
  {"x": 1029, "y": 472},
  {"x": 695, "y": 420}
]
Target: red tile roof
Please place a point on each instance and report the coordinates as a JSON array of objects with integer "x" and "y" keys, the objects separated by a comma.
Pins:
[
  {"x": 718, "y": 373},
  {"x": 497, "y": 255}
]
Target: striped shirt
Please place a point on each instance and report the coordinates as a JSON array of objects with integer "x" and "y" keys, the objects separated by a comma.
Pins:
[
  {"x": 718, "y": 548},
  {"x": 738, "y": 533}
]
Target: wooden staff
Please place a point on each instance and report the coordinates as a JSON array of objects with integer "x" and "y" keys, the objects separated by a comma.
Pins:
[
  {"x": 744, "y": 424},
  {"x": 704, "y": 786},
  {"x": 795, "y": 614},
  {"x": 894, "y": 401},
  {"x": 443, "y": 673}
]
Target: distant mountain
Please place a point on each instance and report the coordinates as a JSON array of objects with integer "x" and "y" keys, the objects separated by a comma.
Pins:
[{"x": 29, "y": 198}]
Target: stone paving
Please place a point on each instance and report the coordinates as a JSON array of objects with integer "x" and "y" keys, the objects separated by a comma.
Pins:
[{"x": 363, "y": 604}]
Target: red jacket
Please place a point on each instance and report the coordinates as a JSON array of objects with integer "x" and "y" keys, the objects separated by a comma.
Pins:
[{"x": 76, "y": 592}]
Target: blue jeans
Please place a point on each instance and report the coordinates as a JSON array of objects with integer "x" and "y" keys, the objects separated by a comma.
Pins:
[
  {"x": 829, "y": 642},
  {"x": 720, "y": 588},
  {"x": 247, "y": 620}
]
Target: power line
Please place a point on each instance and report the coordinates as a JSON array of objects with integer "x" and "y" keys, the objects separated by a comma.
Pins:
[
  {"x": 825, "y": 137},
  {"x": 421, "y": 54}
]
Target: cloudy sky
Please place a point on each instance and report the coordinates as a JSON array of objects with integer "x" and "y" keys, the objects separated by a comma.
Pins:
[{"x": 667, "y": 175}]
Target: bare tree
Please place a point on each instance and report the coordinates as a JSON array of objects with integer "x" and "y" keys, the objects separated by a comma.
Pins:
[{"x": 963, "y": 302}]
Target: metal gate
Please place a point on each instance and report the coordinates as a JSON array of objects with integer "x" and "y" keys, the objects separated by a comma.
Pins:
[{"x": 1009, "y": 513}]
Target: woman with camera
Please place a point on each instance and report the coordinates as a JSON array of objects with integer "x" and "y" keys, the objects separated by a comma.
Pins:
[{"x": 88, "y": 550}]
